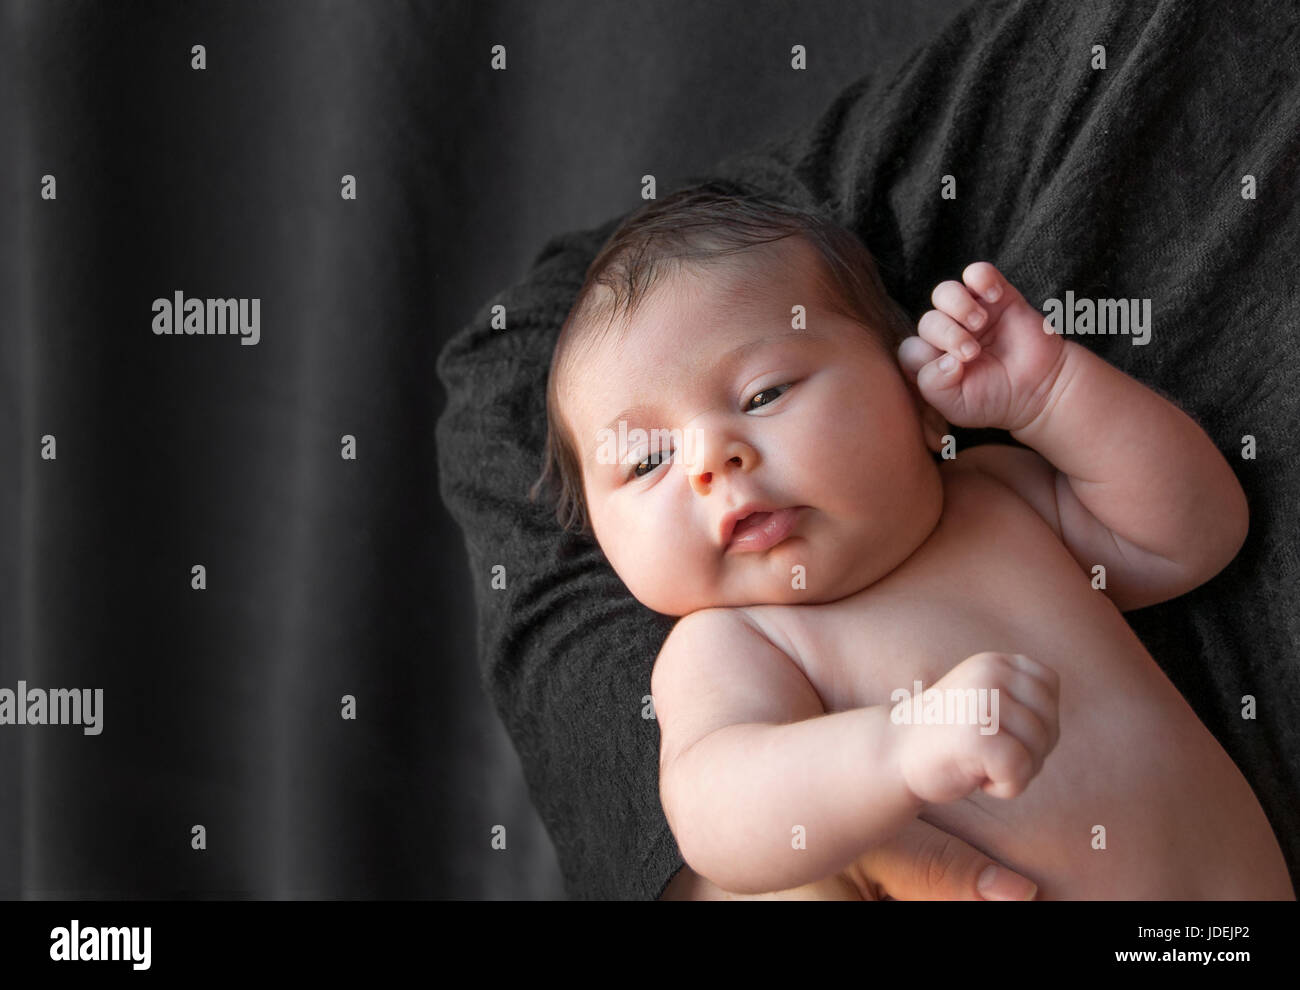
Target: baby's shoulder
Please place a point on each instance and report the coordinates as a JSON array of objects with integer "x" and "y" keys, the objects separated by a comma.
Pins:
[
  {"x": 702, "y": 633},
  {"x": 717, "y": 668},
  {"x": 1025, "y": 476}
]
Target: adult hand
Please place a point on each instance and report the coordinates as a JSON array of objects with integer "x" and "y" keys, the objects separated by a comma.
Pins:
[{"x": 920, "y": 863}]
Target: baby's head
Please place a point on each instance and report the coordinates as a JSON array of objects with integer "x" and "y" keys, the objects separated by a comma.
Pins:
[{"x": 729, "y": 350}]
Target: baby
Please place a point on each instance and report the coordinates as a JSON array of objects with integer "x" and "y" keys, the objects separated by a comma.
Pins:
[{"x": 871, "y": 631}]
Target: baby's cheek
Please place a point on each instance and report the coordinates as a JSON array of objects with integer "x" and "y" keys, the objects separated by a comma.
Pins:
[
  {"x": 685, "y": 572},
  {"x": 648, "y": 566}
]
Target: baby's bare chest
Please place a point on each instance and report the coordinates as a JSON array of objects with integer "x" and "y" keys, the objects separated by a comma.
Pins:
[{"x": 992, "y": 576}]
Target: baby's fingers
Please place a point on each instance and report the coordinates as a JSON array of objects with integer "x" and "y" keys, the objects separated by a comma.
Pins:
[
  {"x": 946, "y": 334},
  {"x": 1009, "y": 766},
  {"x": 1023, "y": 724},
  {"x": 940, "y": 384},
  {"x": 914, "y": 354},
  {"x": 1037, "y": 687}
]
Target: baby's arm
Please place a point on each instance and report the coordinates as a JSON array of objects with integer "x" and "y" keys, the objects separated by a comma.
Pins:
[
  {"x": 765, "y": 791},
  {"x": 1137, "y": 485},
  {"x": 1140, "y": 488},
  {"x": 748, "y": 753}
]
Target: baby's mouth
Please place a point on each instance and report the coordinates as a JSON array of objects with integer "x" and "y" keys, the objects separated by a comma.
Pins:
[
  {"x": 749, "y": 522},
  {"x": 761, "y": 530}
]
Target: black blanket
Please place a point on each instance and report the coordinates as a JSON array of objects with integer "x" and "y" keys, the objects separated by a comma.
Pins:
[{"x": 1128, "y": 181}]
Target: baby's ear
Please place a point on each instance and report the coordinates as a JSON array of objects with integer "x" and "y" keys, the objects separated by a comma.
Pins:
[{"x": 933, "y": 425}]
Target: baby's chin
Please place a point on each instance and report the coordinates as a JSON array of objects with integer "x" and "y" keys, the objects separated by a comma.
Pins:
[{"x": 790, "y": 591}]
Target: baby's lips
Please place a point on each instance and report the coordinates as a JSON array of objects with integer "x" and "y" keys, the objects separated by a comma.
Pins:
[{"x": 763, "y": 529}]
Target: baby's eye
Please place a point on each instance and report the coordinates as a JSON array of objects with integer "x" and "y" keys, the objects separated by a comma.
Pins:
[
  {"x": 651, "y": 460},
  {"x": 772, "y": 392}
]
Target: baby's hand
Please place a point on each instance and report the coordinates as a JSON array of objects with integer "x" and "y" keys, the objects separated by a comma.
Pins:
[
  {"x": 945, "y": 762},
  {"x": 1005, "y": 379}
]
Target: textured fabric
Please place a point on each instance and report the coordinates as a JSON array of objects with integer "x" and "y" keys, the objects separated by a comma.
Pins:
[{"x": 1117, "y": 182}]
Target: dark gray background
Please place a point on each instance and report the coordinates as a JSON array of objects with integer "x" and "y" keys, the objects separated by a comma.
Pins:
[{"x": 325, "y": 577}]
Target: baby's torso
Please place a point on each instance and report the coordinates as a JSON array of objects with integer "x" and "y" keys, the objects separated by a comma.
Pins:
[{"x": 1179, "y": 820}]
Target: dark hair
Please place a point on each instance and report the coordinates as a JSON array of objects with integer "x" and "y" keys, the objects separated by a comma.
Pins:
[{"x": 704, "y": 225}]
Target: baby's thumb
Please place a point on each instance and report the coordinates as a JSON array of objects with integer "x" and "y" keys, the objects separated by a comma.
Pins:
[{"x": 923, "y": 863}]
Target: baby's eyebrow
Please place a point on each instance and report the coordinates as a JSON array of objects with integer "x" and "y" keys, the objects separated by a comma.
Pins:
[{"x": 734, "y": 355}]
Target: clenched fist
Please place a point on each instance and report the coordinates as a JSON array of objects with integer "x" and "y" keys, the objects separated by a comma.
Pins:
[
  {"x": 945, "y": 762},
  {"x": 983, "y": 356}
]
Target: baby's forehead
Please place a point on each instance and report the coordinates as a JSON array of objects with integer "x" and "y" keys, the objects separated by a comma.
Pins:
[
  {"x": 687, "y": 322},
  {"x": 717, "y": 301},
  {"x": 689, "y": 318}
]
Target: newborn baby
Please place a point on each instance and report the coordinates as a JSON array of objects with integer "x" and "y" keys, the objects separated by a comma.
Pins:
[{"x": 871, "y": 631}]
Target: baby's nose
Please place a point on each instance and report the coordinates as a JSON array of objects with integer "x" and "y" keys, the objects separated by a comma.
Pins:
[
  {"x": 700, "y": 482},
  {"x": 716, "y": 451}
]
